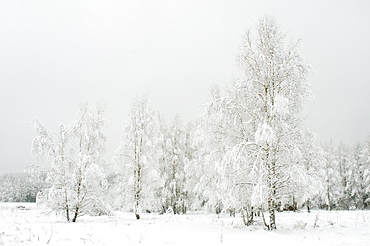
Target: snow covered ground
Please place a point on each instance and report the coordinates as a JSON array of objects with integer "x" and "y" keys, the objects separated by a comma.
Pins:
[{"x": 33, "y": 226}]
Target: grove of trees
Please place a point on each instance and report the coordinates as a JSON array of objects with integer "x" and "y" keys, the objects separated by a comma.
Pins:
[{"x": 249, "y": 152}]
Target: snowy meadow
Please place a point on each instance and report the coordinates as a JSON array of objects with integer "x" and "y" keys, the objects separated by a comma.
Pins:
[{"x": 25, "y": 224}]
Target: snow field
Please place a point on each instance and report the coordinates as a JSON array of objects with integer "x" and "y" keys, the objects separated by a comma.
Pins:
[{"x": 35, "y": 226}]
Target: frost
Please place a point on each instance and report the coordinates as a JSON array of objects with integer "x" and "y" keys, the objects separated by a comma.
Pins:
[
  {"x": 281, "y": 105},
  {"x": 265, "y": 134}
]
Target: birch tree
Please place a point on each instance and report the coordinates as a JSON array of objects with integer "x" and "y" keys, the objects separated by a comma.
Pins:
[
  {"x": 74, "y": 156},
  {"x": 172, "y": 162},
  {"x": 360, "y": 178},
  {"x": 261, "y": 117},
  {"x": 344, "y": 161},
  {"x": 136, "y": 158},
  {"x": 274, "y": 91},
  {"x": 226, "y": 175},
  {"x": 198, "y": 181},
  {"x": 302, "y": 178}
]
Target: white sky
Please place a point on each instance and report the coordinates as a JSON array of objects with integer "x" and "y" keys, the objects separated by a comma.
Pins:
[{"x": 55, "y": 55}]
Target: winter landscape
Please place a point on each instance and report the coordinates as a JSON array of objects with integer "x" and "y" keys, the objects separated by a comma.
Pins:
[{"x": 247, "y": 169}]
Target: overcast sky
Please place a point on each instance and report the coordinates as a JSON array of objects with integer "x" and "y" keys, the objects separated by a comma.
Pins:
[{"x": 55, "y": 55}]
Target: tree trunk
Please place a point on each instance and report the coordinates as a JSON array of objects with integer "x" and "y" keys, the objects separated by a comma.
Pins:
[
  {"x": 137, "y": 197},
  {"x": 247, "y": 216},
  {"x": 137, "y": 177},
  {"x": 271, "y": 193},
  {"x": 67, "y": 213},
  {"x": 271, "y": 210},
  {"x": 295, "y": 204},
  {"x": 328, "y": 196},
  {"x": 76, "y": 214},
  {"x": 308, "y": 205}
]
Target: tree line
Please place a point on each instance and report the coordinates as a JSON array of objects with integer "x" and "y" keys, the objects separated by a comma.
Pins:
[
  {"x": 249, "y": 151},
  {"x": 21, "y": 187}
]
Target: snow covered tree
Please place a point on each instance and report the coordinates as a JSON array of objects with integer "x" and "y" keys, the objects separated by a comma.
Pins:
[
  {"x": 225, "y": 177},
  {"x": 76, "y": 165},
  {"x": 356, "y": 181},
  {"x": 302, "y": 183},
  {"x": 196, "y": 151},
  {"x": 136, "y": 158},
  {"x": 343, "y": 155},
  {"x": 172, "y": 161},
  {"x": 330, "y": 178},
  {"x": 273, "y": 92},
  {"x": 260, "y": 126},
  {"x": 363, "y": 175}
]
